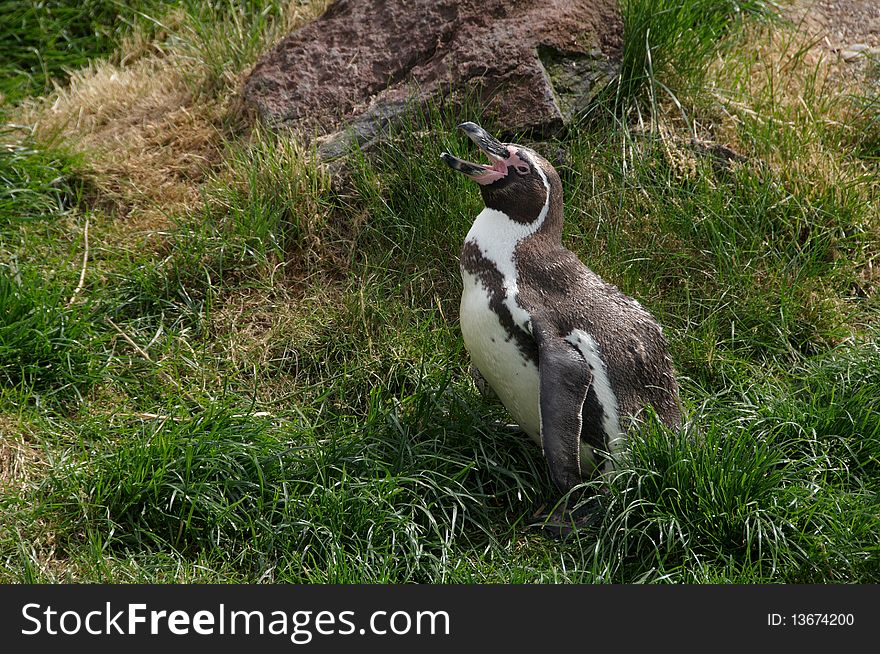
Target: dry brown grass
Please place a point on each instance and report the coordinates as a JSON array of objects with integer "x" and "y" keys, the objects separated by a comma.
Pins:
[
  {"x": 19, "y": 461},
  {"x": 148, "y": 144},
  {"x": 148, "y": 132},
  {"x": 785, "y": 80},
  {"x": 262, "y": 327}
]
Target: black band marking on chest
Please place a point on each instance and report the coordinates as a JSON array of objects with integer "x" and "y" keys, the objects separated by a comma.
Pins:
[{"x": 473, "y": 261}]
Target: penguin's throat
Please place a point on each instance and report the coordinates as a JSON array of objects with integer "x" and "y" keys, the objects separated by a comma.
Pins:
[
  {"x": 498, "y": 236},
  {"x": 501, "y": 167}
]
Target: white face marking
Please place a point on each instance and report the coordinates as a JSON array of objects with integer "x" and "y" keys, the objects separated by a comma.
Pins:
[
  {"x": 546, "y": 207},
  {"x": 589, "y": 350}
]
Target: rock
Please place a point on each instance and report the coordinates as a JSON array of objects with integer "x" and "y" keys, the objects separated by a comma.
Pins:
[
  {"x": 855, "y": 52},
  {"x": 858, "y": 51},
  {"x": 365, "y": 127},
  {"x": 360, "y": 65}
]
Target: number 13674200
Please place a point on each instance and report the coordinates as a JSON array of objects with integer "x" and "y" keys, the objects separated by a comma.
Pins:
[{"x": 810, "y": 620}]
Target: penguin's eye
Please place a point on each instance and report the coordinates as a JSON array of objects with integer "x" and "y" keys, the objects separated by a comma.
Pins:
[{"x": 522, "y": 169}]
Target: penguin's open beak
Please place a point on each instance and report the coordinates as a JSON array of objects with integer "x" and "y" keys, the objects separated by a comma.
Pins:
[{"x": 492, "y": 147}]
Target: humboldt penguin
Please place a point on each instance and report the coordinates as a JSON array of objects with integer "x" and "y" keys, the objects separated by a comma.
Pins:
[{"x": 572, "y": 358}]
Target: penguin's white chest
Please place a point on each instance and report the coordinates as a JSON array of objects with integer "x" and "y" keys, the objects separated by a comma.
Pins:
[{"x": 511, "y": 374}]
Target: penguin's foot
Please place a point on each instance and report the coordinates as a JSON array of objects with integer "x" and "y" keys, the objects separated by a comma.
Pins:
[
  {"x": 481, "y": 384},
  {"x": 562, "y": 522},
  {"x": 506, "y": 427}
]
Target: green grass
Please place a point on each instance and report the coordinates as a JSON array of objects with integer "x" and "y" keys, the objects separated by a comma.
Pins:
[
  {"x": 272, "y": 387},
  {"x": 35, "y": 183},
  {"x": 47, "y": 344},
  {"x": 387, "y": 499},
  {"x": 44, "y": 345},
  {"x": 667, "y": 46},
  {"x": 42, "y": 41}
]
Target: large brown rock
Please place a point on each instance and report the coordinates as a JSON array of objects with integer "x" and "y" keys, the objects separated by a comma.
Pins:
[{"x": 531, "y": 63}]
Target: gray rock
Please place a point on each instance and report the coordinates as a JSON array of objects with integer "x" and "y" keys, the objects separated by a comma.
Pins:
[{"x": 346, "y": 75}]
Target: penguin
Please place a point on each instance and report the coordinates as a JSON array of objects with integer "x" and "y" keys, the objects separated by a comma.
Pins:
[{"x": 572, "y": 358}]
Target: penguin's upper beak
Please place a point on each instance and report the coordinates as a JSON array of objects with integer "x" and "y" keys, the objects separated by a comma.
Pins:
[{"x": 493, "y": 148}]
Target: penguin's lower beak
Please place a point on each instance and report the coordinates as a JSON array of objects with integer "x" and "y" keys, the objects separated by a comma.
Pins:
[
  {"x": 491, "y": 146},
  {"x": 462, "y": 166}
]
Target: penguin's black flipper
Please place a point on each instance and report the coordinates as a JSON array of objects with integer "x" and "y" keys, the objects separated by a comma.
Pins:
[{"x": 564, "y": 379}]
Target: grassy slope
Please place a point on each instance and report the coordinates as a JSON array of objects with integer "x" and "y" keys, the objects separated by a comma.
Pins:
[{"x": 262, "y": 379}]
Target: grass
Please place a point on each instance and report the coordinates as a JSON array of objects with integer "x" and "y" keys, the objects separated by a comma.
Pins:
[
  {"x": 36, "y": 182},
  {"x": 41, "y": 42},
  {"x": 44, "y": 345},
  {"x": 261, "y": 378},
  {"x": 667, "y": 46}
]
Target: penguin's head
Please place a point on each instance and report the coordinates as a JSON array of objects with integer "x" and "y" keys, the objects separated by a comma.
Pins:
[{"x": 519, "y": 182}]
